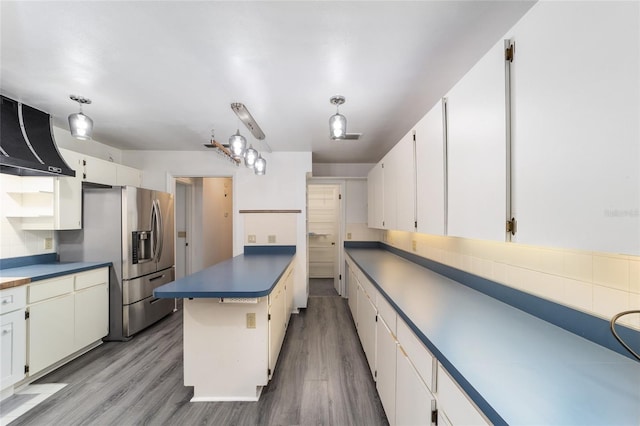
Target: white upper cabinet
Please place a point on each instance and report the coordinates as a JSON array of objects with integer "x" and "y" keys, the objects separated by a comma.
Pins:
[
  {"x": 390, "y": 182},
  {"x": 476, "y": 151},
  {"x": 430, "y": 172},
  {"x": 576, "y": 91},
  {"x": 405, "y": 184},
  {"x": 126, "y": 175},
  {"x": 375, "y": 184}
]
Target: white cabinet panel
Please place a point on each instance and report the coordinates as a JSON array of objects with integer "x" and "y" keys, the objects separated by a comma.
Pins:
[
  {"x": 51, "y": 332},
  {"x": 375, "y": 192},
  {"x": 352, "y": 293},
  {"x": 420, "y": 356},
  {"x": 91, "y": 315},
  {"x": 100, "y": 171},
  {"x": 277, "y": 323},
  {"x": 126, "y": 175},
  {"x": 390, "y": 180},
  {"x": 386, "y": 369},
  {"x": 430, "y": 171},
  {"x": 404, "y": 184},
  {"x": 476, "y": 150},
  {"x": 576, "y": 130},
  {"x": 13, "y": 343},
  {"x": 367, "y": 328},
  {"x": 413, "y": 399},
  {"x": 456, "y": 405}
]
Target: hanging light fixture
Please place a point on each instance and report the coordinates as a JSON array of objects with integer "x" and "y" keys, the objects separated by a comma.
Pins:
[
  {"x": 260, "y": 166},
  {"x": 337, "y": 122},
  {"x": 80, "y": 125},
  {"x": 250, "y": 157},
  {"x": 237, "y": 145}
]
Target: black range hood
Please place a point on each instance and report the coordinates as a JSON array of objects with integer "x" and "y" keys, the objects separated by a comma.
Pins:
[{"x": 27, "y": 147}]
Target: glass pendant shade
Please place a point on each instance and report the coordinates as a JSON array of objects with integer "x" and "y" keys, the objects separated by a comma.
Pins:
[
  {"x": 237, "y": 145},
  {"x": 250, "y": 157},
  {"x": 260, "y": 166},
  {"x": 81, "y": 126},
  {"x": 337, "y": 126}
]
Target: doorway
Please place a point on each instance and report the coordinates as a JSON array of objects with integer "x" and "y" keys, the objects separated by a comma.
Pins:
[
  {"x": 183, "y": 206},
  {"x": 323, "y": 227}
]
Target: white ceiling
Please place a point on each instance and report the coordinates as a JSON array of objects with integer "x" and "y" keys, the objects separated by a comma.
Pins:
[{"x": 162, "y": 74}]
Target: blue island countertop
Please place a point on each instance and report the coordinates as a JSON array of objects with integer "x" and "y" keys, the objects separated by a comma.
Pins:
[
  {"x": 519, "y": 369},
  {"x": 247, "y": 275}
]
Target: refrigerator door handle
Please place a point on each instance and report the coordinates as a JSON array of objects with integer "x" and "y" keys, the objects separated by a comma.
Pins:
[
  {"x": 154, "y": 231},
  {"x": 160, "y": 230}
]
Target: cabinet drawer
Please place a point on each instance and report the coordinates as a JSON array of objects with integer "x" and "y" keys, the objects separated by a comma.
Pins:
[
  {"x": 455, "y": 403},
  {"x": 419, "y": 355},
  {"x": 388, "y": 314},
  {"x": 13, "y": 299},
  {"x": 93, "y": 277},
  {"x": 46, "y": 289}
]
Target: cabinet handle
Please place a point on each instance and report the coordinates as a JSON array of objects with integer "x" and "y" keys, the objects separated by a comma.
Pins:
[
  {"x": 156, "y": 278},
  {"x": 5, "y": 331}
]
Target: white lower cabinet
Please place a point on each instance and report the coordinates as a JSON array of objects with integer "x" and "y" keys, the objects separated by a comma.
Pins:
[
  {"x": 51, "y": 332},
  {"x": 277, "y": 323},
  {"x": 414, "y": 402},
  {"x": 352, "y": 292},
  {"x": 65, "y": 314},
  {"x": 367, "y": 314},
  {"x": 386, "y": 348},
  {"x": 12, "y": 336}
]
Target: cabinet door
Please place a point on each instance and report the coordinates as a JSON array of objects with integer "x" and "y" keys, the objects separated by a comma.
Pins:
[
  {"x": 68, "y": 202},
  {"x": 375, "y": 192},
  {"x": 100, "y": 171},
  {"x": 50, "y": 332},
  {"x": 367, "y": 328},
  {"x": 413, "y": 400},
  {"x": 404, "y": 184},
  {"x": 386, "y": 369},
  {"x": 476, "y": 150},
  {"x": 430, "y": 171},
  {"x": 353, "y": 294},
  {"x": 390, "y": 180},
  {"x": 276, "y": 323},
  {"x": 13, "y": 344},
  {"x": 126, "y": 175},
  {"x": 576, "y": 126},
  {"x": 456, "y": 405},
  {"x": 91, "y": 309}
]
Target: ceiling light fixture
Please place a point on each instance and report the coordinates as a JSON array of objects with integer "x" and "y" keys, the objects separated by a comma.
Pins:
[
  {"x": 80, "y": 125},
  {"x": 337, "y": 122},
  {"x": 250, "y": 157},
  {"x": 221, "y": 149},
  {"x": 260, "y": 166},
  {"x": 245, "y": 116},
  {"x": 237, "y": 145}
]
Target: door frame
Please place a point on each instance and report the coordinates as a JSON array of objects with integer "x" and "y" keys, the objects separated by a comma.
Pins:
[
  {"x": 189, "y": 198},
  {"x": 339, "y": 278}
]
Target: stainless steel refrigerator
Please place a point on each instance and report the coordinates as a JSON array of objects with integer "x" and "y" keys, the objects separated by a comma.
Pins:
[{"x": 134, "y": 229}]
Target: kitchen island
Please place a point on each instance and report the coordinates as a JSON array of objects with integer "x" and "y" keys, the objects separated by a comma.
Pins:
[{"x": 235, "y": 317}]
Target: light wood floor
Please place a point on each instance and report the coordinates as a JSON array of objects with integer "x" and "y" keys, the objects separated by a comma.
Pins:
[{"x": 322, "y": 378}]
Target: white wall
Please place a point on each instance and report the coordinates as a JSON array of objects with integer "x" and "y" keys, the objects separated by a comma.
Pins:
[
  {"x": 341, "y": 169},
  {"x": 283, "y": 187},
  {"x": 356, "y": 228}
]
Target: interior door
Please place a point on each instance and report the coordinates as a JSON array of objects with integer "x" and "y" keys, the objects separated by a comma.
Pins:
[{"x": 323, "y": 207}]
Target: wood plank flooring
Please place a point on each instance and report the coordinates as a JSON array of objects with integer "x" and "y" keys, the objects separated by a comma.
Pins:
[{"x": 321, "y": 378}]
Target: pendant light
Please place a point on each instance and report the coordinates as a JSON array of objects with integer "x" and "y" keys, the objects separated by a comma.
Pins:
[
  {"x": 237, "y": 145},
  {"x": 80, "y": 125},
  {"x": 260, "y": 166},
  {"x": 337, "y": 122},
  {"x": 250, "y": 157}
]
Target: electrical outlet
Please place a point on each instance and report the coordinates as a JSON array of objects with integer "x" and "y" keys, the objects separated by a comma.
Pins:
[
  {"x": 348, "y": 235},
  {"x": 251, "y": 320},
  {"x": 272, "y": 239},
  {"x": 413, "y": 245},
  {"x": 252, "y": 238},
  {"x": 48, "y": 243}
]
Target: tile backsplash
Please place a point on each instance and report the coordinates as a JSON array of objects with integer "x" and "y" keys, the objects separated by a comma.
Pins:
[{"x": 601, "y": 284}]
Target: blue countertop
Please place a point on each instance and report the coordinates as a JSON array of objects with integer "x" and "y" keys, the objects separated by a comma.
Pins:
[
  {"x": 245, "y": 275},
  {"x": 43, "y": 271},
  {"x": 518, "y": 368}
]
